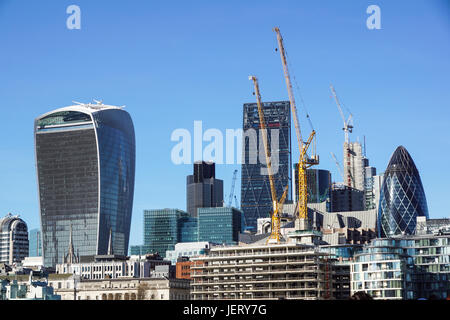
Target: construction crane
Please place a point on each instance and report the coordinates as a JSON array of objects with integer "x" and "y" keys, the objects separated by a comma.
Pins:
[
  {"x": 337, "y": 165},
  {"x": 348, "y": 124},
  {"x": 230, "y": 197},
  {"x": 275, "y": 236},
  {"x": 236, "y": 202},
  {"x": 304, "y": 161},
  {"x": 348, "y": 128}
]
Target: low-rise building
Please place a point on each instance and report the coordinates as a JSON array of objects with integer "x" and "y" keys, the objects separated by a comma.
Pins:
[
  {"x": 30, "y": 290},
  {"x": 261, "y": 271},
  {"x": 112, "y": 267},
  {"x": 188, "y": 249},
  {"x": 404, "y": 267}
]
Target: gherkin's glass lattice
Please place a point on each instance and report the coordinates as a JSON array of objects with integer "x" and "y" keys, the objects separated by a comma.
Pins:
[{"x": 402, "y": 197}]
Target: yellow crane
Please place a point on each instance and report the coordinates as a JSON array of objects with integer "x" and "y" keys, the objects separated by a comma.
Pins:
[
  {"x": 277, "y": 206},
  {"x": 304, "y": 161}
]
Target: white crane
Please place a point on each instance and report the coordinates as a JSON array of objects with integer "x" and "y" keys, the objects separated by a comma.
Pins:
[
  {"x": 348, "y": 124},
  {"x": 338, "y": 165},
  {"x": 230, "y": 197}
]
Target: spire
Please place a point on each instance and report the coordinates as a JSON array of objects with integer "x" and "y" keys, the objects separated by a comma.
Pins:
[
  {"x": 110, "y": 246},
  {"x": 71, "y": 257}
]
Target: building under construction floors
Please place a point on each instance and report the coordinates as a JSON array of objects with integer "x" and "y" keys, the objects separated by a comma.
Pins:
[{"x": 263, "y": 271}]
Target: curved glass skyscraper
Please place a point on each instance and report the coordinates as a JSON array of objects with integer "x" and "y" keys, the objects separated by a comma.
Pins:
[
  {"x": 85, "y": 159},
  {"x": 402, "y": 197}
]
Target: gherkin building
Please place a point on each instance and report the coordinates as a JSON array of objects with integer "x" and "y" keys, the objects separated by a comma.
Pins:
[{"x": 402, "y": 197}]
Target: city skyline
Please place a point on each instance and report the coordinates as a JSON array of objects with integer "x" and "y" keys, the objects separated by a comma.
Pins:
[{"x": 395, "y": 86}]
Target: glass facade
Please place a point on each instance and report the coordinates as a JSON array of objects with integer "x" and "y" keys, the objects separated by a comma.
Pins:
[
  {"x": 256, "y": 199},
  {"x": 402, "y": 197},
  {"x": 318, "y": 185},
  {"x": 219, "y": 225},
  {"x": 384, "y": 270},
  {"x": 85, "y": 158},
  {"x": 163, "y": 229},
  {"x": 34, "y": 238}
]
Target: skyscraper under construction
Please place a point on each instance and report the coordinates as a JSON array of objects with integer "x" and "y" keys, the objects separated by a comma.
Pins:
[{"x": 256, "y": 200}]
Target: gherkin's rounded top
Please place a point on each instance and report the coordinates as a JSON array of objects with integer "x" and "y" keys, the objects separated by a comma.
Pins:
[{"x": 401, "y": 161}]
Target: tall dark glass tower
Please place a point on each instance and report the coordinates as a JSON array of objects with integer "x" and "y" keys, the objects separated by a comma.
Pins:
[
  {"x": 85, "y": 159},
  {"x": 402, "y": 197},
  {"x": 203, "y": 190},
  {"x": 256, "y": 199}
]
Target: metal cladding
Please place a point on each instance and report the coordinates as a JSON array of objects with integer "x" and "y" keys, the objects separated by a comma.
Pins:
[{"x": 402, "y": 197}]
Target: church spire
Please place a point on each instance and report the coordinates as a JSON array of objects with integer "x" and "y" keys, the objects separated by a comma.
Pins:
[{"x": 110, "y": 244}]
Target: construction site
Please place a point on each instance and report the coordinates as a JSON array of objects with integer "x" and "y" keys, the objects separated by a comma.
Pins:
[{"x": 277, "y": 267}]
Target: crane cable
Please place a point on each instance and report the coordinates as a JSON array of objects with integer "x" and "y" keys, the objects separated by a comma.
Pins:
[{"x": 298, "y": 89}]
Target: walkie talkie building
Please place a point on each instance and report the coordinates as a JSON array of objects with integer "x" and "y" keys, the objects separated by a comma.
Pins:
[{"x": 85, "y": 161}]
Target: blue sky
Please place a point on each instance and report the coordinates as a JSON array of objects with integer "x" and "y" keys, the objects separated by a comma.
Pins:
[{"x": 174, "y": 62}]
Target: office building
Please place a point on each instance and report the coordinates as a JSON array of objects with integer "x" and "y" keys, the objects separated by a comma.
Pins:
[
  {"x": 85, "y": 159},
  {"x": 162, "y": 229},
  {"x": 35, "y": 248},
  {"x": 256, "y": 199},
  {"x": 219, "y": 225},
  {"x": 318, "y": 186},
  {"x": 139, "y": 250},
  {"x": 345, "y": 198},
  {"x": 13, "y": 239},
  {"x": 402, "y": 197},
  {"x": 370, "y": 174},
  {"x": 202, "y": 188}
]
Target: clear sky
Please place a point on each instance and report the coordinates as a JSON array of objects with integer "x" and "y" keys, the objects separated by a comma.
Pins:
[{"x": 174, "y": 62}]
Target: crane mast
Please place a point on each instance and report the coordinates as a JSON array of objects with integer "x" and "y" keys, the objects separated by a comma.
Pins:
[
  {"x": 348, "y": 127},
  {"x": 277, "y": 206},
  {"x": 230, "y": 197},
  {"x": 304, "y": 161}
]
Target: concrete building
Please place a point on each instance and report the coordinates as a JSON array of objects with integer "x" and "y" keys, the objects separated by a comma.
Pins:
[
  {"x": 13, "y": 239},
  {"x": 354, "y": 165},
  {"x": 113, "y": 267},
  {"x": 85, "y": 161},
  {"x": 203, "y": 190},
  {"x": 188, "y": 250},
  {"x": 260, "y": 271},
  {"x": 33, "y": 263},
  {"x": 337, "y": 228}
]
